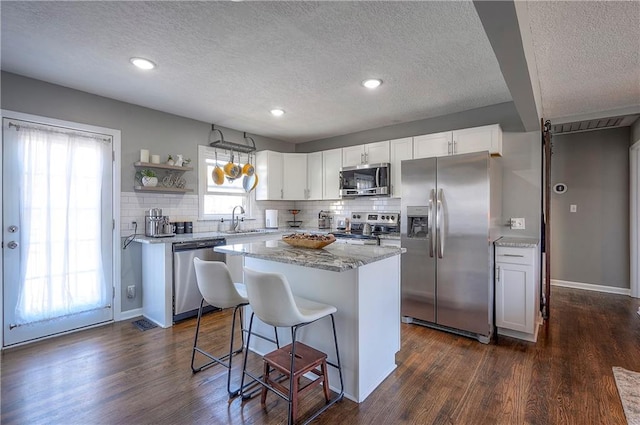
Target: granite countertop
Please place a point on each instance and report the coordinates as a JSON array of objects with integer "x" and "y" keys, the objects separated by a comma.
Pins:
[
  {"x": 335, "y": 257},
  {"x": 517, "y": 242},
  {"x": 189, "y": 237}
]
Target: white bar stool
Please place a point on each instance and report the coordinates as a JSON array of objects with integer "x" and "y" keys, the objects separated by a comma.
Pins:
[
  {"x": 273, "y": 302},
  {"x": 219, "y": 290}
]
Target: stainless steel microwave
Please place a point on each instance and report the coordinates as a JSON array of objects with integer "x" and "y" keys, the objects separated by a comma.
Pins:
[{"x": 365, "y": 180}]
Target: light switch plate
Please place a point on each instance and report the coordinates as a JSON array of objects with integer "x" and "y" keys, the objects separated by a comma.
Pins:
[{"x": 517, "y": 223}]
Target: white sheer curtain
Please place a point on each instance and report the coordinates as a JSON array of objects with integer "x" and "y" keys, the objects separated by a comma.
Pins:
[{"x": 60, "y": 190}]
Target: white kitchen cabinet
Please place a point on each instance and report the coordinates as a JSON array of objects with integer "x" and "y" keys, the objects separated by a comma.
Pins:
[
  {"x": 401, "y": 149},
  {"x": 269, "y": 167},
  {"x": 331, "y": 165},
  {"x": 294, "y": 184},
  {"x": 371, "y": 153},
  {"x": 314, "y": 176},
  {"x": 429, "y": 145},
  {"x": 476, "y": 139},
  {"x": 517, "y": 292},
  {"x": 282, "y": 176}
]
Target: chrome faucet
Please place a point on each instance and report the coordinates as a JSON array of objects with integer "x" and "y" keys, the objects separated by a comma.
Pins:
[{"x": 234, "y": 225}]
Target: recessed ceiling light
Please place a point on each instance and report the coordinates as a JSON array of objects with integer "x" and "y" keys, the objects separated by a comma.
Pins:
[
  {"x": 142, "y": 63},
  {"x": 372, "y": 83},
  {"x": 277, "y": 112}
]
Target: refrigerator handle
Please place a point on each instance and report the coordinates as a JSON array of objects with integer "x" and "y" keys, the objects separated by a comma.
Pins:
[
  {"x": 432, "y": 238},
  {"x": 440, "y": 225}
]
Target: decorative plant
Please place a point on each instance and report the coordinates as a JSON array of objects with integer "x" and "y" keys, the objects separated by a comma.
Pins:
[{"x": 149, "y": 177}]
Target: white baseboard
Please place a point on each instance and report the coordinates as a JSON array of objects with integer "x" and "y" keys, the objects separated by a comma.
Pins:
[
  {"x": 129, "y": 314},
  {"x": 591, "y": 287}
]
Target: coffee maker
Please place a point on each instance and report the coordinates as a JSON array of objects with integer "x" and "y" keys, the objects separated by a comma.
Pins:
[
  {"x": 157, "y": 225},
  {"x": 324, "y": 220}
]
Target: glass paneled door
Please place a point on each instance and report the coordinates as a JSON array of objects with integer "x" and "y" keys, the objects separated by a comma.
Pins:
[{"x": 57, "y": 229}]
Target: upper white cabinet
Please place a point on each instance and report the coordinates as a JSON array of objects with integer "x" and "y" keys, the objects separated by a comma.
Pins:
[
  {"x": 331, "y": 165},
  {"x": 269, "y": 167},
  {"x": 314, "y": 176},
  {"x": 298, "y": 176},
  {"x": 486, "y": 138},
  {"x": 371, "y": 153},
  {"x": 477, "y": 139},
  {"x": 428, "y": 145},
  {"x": 294, "y": 183},
  {"x": 401, "y": 149}
]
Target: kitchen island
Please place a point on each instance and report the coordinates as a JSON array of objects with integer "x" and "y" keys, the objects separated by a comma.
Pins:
[{"x": 362, "y": 282}]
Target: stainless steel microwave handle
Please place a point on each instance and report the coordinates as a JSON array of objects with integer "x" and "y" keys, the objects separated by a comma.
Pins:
[
  {"x": 432, "y": 238},
  {"x": 378, "y": 177}
]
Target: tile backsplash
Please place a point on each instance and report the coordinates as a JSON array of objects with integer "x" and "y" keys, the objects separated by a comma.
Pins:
[{"x": 185, "y": 208}]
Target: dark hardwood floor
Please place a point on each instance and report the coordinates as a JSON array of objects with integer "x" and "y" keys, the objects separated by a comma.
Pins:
[{"x": 117, "y": 374}]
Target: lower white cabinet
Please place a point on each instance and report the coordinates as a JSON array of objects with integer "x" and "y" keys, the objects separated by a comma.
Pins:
[{"x": 517, "y": 292}]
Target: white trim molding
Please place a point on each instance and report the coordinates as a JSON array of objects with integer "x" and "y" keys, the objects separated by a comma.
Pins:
[
  {"x": 591, "y": 287},
  {"x": 129, "y": 314},
  {"x": 634, "y": 214}
]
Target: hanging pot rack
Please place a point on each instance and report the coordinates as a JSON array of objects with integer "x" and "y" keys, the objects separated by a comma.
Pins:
[{"x": 220, "y": 143}]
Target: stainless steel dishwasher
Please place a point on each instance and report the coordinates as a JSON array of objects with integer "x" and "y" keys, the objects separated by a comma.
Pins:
[{"x": 186, "y": 295}]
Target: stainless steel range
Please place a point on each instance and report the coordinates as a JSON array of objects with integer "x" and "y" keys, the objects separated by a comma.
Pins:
[
  {"x": 367, "y": 226},
  {"x": 375, "y": 223}
]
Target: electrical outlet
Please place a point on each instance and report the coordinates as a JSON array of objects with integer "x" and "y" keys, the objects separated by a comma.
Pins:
[
  {"x": 131, "y": 291},
  {"x": 573, "y": 208},
  {"x": 517, "y": 223}
]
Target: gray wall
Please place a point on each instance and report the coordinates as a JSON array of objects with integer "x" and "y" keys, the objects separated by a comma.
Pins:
[
  {"x": 521, "y": 184},
  {"x": 592, "y": 244},
  {"x": 504, "y": 114},
  {"x": 635, "y": 132},
  {"x": 141, "y": 128}
]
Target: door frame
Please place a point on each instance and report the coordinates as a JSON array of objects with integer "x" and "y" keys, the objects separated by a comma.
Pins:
[
  {"x": 116, "y": 263},
  {"x": 634, "y": 225}
]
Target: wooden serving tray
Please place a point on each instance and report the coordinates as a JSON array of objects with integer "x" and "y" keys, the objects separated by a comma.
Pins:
[{"x": 308, "y": 243}]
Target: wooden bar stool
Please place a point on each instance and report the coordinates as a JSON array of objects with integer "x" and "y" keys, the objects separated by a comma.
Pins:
[
  {"x": 273, "y": 302},
  {"x": 219, "y": 290},
  {"x": 307, "y": 360}
]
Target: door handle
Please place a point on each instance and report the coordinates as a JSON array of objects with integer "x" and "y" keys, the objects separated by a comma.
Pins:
[
  {"x": 440, "y": 223},
  {"x": 432, "y": 237},
  {"x": 12, "y": 245}
]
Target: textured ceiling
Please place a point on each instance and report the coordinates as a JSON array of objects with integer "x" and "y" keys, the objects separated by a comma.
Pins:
[
  {"x": 587, "y": 55},
  {"x": 229, "y": 63}
]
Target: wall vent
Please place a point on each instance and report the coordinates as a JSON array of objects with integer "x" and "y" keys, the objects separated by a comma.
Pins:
[{"x": 594, "y": 124}]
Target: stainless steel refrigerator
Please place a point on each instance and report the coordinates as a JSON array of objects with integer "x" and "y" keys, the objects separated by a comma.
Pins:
[{"x": 451, "y": 214}]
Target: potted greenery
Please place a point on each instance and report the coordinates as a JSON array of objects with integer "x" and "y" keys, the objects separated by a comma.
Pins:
[{"x": 149, "y": 178}]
